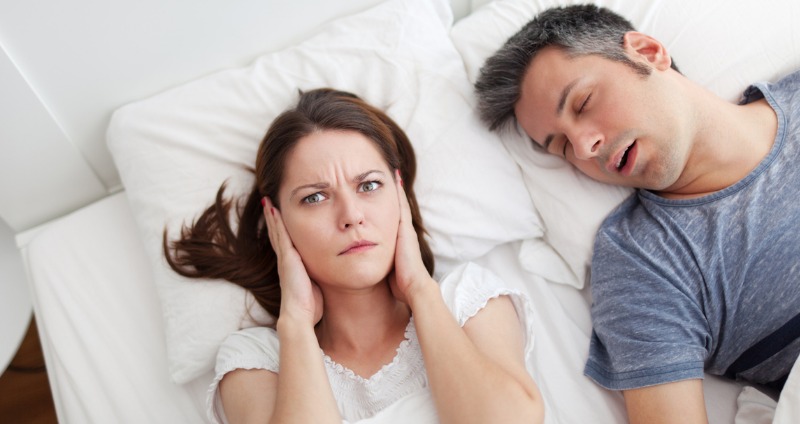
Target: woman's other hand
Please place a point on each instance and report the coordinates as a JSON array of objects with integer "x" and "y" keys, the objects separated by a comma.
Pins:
[
  {"x": 410, "y": 274},
  {"x": 301, "y": 298}
]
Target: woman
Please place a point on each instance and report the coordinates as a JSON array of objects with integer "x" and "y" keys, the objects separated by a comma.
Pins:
[{"x": 344, "y": 266}]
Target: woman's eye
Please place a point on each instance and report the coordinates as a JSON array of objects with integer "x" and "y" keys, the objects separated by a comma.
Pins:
[
  {"x": 314, "y": 198},
  {"x": 369, "y": 186}
]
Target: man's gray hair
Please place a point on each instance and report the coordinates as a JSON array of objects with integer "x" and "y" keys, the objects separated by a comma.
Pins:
[{"x": 579, "y": 30}]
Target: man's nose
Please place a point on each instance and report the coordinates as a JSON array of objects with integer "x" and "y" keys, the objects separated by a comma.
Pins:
[{"x": 587, "y": 143}]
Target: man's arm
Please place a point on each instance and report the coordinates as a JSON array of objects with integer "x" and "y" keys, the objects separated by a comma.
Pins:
[{"x": 679, "y": 402}]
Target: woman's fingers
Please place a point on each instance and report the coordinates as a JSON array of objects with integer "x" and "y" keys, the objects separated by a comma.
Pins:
[
  {"x": 405, "y": 208},
  {"x": 268, "y": 219},
  {"x": 409, "y": 267},
  {"x": 299, "y": 292},
  {"x": 278, "y": 235}
]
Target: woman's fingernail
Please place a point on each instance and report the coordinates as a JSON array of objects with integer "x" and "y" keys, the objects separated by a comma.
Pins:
[
  {"x": 272, "y": 211},
  {"x": 263, "y": 202}
]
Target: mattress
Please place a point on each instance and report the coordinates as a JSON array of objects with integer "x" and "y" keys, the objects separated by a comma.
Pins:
[{"x": 102, "y": 330}]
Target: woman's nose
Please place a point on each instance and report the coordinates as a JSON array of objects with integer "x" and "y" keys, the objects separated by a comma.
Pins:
[{"x": 350, "y": 212}]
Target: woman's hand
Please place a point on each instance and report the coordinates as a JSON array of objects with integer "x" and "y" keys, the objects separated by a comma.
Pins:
[
  {"x": 300, "y": 297},
  {"x": 410, "y": 274}
]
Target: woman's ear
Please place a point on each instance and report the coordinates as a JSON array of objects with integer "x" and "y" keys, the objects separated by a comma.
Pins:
[{"x": 644, "y": 48}]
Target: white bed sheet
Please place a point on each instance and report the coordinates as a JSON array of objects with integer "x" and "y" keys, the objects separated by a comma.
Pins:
[
  {"x": 101, "y": 326},
  {"x": 100, "y": 322},
  {"x": 788, "y": 408}
]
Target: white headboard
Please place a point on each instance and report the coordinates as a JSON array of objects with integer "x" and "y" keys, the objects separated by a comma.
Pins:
[{"x": 65, "y": 66}]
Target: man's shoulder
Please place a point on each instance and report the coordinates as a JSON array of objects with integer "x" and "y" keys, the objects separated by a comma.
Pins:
[
  {"x": 786, "y": 87},
  {"x": 791, "y": 80},
  {"x": 638, "y": 224},
  {"x": 629, "y": 212}
]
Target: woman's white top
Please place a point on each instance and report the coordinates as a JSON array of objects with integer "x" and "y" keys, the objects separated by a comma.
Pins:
[{"x": 466, "y": 290}]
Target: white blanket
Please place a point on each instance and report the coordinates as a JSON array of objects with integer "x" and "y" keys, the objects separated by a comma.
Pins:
[{"x": 788, "y": 408}]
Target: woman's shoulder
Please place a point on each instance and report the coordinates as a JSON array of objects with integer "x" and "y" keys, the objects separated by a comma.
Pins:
[
  {"x": 469, "y": 287},
  {"x": 254, "y": 334},
  {"x": 249, "y": 348},
  {"x": 468, "y": 273},
  {"x": 250, "y": 345}
]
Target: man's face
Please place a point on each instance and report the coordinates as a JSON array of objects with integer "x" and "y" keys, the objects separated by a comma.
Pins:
[{"x": 612, "y": 123}]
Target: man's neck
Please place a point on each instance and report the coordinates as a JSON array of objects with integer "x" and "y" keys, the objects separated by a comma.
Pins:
[{"x": 731, "y": 141}]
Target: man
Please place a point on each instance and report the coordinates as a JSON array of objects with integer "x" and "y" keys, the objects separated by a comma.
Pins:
[{"x": 699, "y": 269}]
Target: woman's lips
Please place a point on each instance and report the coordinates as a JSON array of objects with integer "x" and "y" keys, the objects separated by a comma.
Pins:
[{"x": 358, "y": 246}]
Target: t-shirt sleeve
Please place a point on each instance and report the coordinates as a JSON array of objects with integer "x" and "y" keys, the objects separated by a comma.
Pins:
[
  {"x": 469, "y": 287},
  {"x": 649, "y": 327},
  {"x": 251, "y": 348}
]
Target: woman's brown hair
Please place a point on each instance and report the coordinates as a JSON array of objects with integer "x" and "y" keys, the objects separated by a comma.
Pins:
[{"x": 210, "y": 248}]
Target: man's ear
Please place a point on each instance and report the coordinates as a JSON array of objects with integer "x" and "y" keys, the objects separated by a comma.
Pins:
[{"x": 642, "y": 47}]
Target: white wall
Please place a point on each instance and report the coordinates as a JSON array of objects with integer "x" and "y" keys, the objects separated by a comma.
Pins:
[
  {"x": 42, "y": 174},
  {"x": 15, "y": 302}
]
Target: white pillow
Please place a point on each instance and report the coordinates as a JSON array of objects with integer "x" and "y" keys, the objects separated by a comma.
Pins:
[
  {"x": 175, "y": 149},
  {"x": 710, "y": 44}
]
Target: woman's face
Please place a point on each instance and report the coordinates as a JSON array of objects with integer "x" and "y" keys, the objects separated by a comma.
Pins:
[{"x": 339, "y": 204}]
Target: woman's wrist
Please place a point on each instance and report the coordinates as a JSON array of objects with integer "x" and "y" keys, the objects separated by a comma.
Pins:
[
  {"x": 422, "y": 292},
  {"x": 289, "y": 324}
]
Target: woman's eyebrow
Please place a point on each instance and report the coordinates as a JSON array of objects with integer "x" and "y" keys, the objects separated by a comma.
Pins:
[
  {"x": 363, "y": 176},
  {"x": 315, "y": 186},
  {"x": 321, "y": 185}
]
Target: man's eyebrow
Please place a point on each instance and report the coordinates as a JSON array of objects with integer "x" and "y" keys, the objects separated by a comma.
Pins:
[
  {"x": 560, "y": 109},
  {"x": 564, "y": 93}
]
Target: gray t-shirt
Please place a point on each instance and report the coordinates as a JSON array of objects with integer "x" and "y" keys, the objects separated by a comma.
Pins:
[{"x": 683, "y": 286}]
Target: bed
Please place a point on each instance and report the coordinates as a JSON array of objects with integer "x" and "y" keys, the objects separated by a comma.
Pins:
[{"x": 126, "y": 340}]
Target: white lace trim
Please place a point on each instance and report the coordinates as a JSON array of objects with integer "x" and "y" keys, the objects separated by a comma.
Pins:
[
  {"x": 477, "y": 301},
  {"x": 400, "y": 351},
  {"x": 359, "y": 398}
]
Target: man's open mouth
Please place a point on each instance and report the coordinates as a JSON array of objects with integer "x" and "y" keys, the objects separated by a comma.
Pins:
[{"x": 624, "y": 159}]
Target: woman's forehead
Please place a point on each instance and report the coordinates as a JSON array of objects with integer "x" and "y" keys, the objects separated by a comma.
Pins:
[{"x": 320, "y": 154}]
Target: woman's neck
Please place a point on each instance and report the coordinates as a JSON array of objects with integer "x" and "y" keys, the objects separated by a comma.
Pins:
[{"x": 362, "y": 329}]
